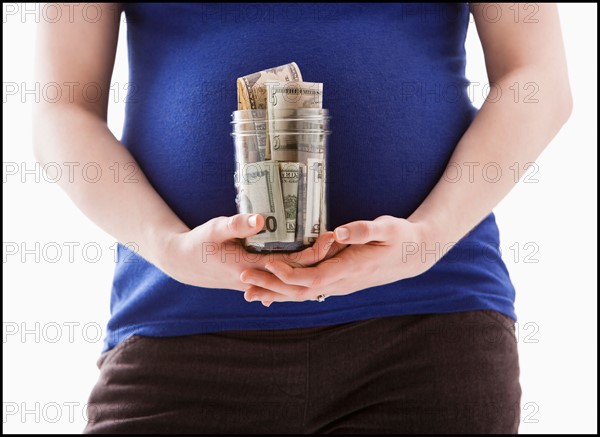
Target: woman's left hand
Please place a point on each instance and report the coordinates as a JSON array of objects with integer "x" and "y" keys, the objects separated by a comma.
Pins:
[{"x": 381, "y": 251}]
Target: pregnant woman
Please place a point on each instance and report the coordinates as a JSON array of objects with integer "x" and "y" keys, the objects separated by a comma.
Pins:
[{"x": 401, "y": 318}]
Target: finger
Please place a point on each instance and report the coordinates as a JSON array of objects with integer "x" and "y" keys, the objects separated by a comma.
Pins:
[
  {"x": 237, "y": 226},
  {"x": 254, "y": 293},
  {"x": 309, "y": 256},
  {"x": 334, "y": 249},
  {"x": 271, "y": 282},
  {"x": 325, "y": 247},
  {"x": 322, "y": 274},
  {"x": 258, "y": 294},
  {"x": 365, "y": 231},
  {"x": 318, "y": 251}
]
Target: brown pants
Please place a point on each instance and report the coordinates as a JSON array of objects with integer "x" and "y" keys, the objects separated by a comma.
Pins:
[{"x": 437, "y": 373}]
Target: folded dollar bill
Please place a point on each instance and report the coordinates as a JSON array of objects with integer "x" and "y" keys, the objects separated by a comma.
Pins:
[
  {"x": 252, "y": 93},
  {"x": 260, "y": 192}
]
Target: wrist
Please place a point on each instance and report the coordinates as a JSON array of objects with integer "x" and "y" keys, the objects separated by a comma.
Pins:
[
  {"x": 164, "y": 244},
  {"x": 435, "y": 238},
  {"x": 430, "y": 231}
]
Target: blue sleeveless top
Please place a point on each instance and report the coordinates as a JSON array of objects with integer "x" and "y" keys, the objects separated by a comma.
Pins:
[{"x": 395, "y": 85}]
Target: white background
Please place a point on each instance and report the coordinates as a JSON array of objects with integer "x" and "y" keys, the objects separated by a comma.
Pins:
[{"x": 55, "y": 312}]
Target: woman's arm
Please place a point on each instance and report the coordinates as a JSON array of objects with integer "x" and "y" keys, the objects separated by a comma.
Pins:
[
  {"x": 79, "y": 55},
  {"x": 71, "y": 130},
  {"x": 509, "y": 129},
  {"x": 526, "y": 64}
]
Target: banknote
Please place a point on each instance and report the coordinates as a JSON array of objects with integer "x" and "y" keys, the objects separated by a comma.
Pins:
[
  {"x": 301, "y": 213},
  {"x": 290, "y": 176},
  {"x": 260, "y": 192},
  {"x": 283, "y": 134},
  {"x": 299, "y": 147},
  {"x": 323, "y": 210},
  {"x": 251, "y": 88},
  {"x": 294, "y": 95},
  {"x": 314, "y": 189},
  {"x": 252, "y": 93},
  {"x": 249, "y": 148}
]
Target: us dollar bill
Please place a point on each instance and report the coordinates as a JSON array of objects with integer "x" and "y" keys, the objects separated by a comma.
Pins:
[
  {"x": 294, "y": 95},
  {"x": 301, "y": 213},
  {"x": 298, "y": 147},
  {"x": 323, "y": 217},
  {"x": 249, "y": 148},
  {"x": 291, "y": 95},
  {"x": 260, "y": 192},
  {"x": 290, "y": 176},
  {"x": 252, "y": 93},
  {"x": 314, "y": 190}
]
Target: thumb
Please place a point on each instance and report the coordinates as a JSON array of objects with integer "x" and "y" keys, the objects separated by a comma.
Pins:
[
  {"x": 236, "y": 226},
  {"x": 364, "y": 231}
]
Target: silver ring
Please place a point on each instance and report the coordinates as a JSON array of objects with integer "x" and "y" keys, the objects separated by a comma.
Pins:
[{"x": 321, "y": 298}]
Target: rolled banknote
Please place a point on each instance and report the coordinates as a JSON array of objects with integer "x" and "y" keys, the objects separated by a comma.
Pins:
[
  {"x": 290, "y": 176},
  {"x": 298, "y": 147},
  {"x": 301, "y": 213},
  {"x": 294, "y": 95},
  {"x": 323, "y": 218},
  {"x": 248, "y": 148},
  {"x": 314, "y": 190},
  {"x": 260, "y": 192},
  {"x": 252, "y": 93},
  {"x": 288, "y": 95},
  {"x": 251, "y": 88}
]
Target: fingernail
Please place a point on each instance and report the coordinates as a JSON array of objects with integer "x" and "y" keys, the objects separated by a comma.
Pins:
[
  {"x": 342, "y": 233},
  {"x": 252, "y": 220}
]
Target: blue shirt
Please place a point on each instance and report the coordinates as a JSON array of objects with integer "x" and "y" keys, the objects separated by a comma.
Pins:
[{"x": 395, "y": 85}]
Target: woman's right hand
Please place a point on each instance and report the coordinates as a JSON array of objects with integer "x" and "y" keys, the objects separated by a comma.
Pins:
[{"x": 212, "y": 255}]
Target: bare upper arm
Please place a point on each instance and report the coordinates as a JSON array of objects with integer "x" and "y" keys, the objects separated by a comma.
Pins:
[
  {"x": 518, "y": 35},
  {"x": 77, "y": 53}
]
